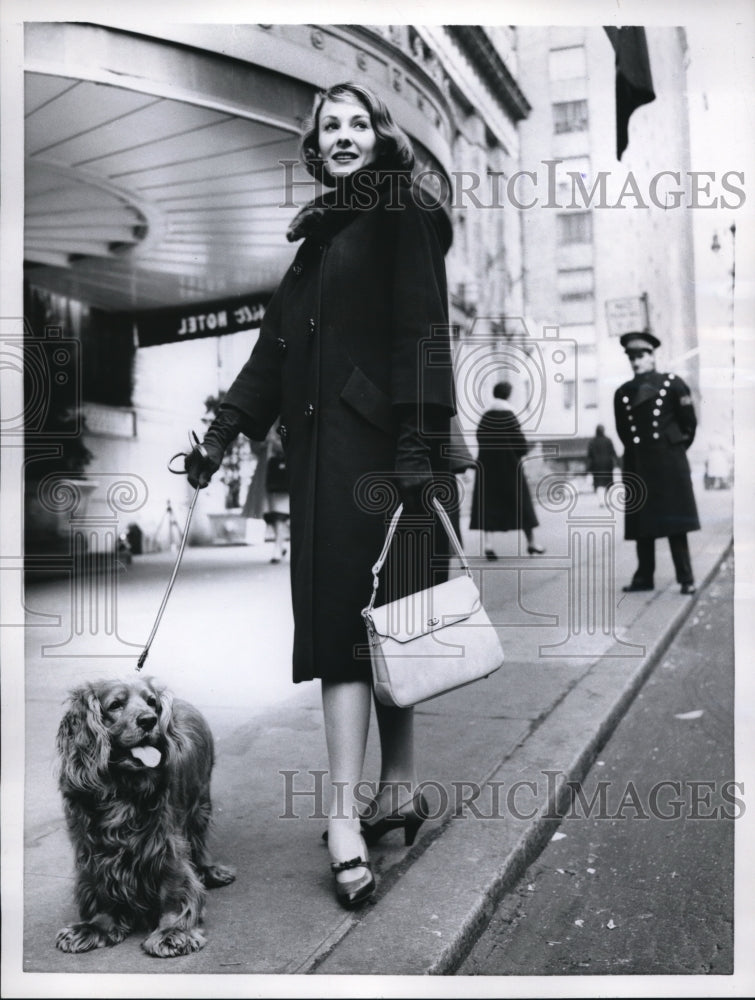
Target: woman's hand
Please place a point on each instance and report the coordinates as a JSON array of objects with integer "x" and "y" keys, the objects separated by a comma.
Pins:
[
  {"x": 203, "y": 461},
  {"x": 414, "y": 473},
  {"x": 199, "y": 467}
]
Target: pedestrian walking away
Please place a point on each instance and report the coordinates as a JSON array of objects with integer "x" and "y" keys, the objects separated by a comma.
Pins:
[
  {"x": 656, "y": 422},
  {"x": 501, "y": 498},
  {"x": 338, "y": 361},
  {"x": 277, "y": 509},
  {"x": 601, "y": 460}
]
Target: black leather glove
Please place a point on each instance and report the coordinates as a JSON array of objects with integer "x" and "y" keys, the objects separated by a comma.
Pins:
[
  {"x": 203, "y": 462},
  {"x": 414, "y": 473}
]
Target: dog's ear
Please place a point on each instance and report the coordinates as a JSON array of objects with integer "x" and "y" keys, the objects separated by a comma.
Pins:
[
  {"x": 167, "y": 725},
  {"x": 83, "y": 742}
]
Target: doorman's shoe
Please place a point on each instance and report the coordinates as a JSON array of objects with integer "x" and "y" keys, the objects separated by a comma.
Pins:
[
  {"x": 688, "y": 588},
  {"x": 632, "y": 587}
]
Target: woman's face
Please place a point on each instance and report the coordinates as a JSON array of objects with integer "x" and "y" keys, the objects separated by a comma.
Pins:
[{"x": 346, "y": 137}]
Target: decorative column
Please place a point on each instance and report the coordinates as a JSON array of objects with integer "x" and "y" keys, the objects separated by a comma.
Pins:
[
  {"x": 591, "y": 571},
  {"x": 93, "y": 559}
]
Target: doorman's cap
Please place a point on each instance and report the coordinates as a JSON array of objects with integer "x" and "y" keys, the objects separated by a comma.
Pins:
[{"x": 628, "y": 338}]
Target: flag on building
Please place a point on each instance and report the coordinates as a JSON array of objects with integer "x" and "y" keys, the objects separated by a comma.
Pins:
[{"x": 634, "y": 82}]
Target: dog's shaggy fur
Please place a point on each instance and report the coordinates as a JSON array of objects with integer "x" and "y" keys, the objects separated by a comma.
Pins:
[{"x": 134, "y": 772}]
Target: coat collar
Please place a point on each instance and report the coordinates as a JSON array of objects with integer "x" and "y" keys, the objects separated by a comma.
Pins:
[{"x": 332, "y": 211}]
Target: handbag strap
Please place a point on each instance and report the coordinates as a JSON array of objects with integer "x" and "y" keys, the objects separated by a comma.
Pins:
[{"x": 445, "y": 520}]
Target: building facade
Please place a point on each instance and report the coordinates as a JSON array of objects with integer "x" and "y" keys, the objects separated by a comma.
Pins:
[
  {"x": 607, "y": 243},
  {"x": 162, "y": 172}
]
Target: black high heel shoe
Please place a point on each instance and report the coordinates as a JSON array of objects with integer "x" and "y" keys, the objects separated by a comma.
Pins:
[
  {"x": 535, "y": 550},
  {"x": 351, "y": 894},
  {"x": 408, "y": 818},
  {"x": 490, "y": 555}
]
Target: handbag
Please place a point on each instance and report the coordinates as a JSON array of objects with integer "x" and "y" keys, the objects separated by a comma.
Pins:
[{"x": 431, "y": 641}]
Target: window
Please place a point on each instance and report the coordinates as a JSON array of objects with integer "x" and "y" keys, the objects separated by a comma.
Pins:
[
  {"x": 570, "y": 116},
  {"x": 576, "y": 284},
  {"x": 574, "y": 227},
  {"x": 590, "y": 393},
  {"x": 565, "y": 182},
  {"x": 568, "y": 385},
  {"x": 568, "y": 63}
]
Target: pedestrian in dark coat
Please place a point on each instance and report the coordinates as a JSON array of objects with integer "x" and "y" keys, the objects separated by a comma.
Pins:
[
  {"x": 501, "y": 498},
  {"x": 601, "y": 459},
  {"x": 655, "y": 419},
  {"x": 354, "y": 357}
]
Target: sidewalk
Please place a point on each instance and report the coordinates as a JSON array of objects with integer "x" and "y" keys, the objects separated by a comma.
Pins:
[{"x": 570, "y": 673}]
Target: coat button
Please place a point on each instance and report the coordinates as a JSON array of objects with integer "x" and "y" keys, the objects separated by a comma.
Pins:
[
  {"x": 656, "y": 413},
  {"x": 633, "y": 429},
  {"x": 311, "y": 326},
  {"x": 283, "y": 433},
  {"x": 298, "y": 268},
  {"x": 656, "y": 435},
  {"x": 309, "y": 411},
  {"x": 625, "y": 399},
  {"x": 672, "y": 376},
  {"x": 636, "y": 440},
  {"x": 281, "y": 345},
  {"x": 662, "y": 392}
]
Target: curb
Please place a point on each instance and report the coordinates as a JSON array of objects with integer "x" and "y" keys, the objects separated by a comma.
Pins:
[{"x": 443, "y": 898}]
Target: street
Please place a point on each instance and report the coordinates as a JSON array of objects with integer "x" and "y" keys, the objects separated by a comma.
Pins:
[
  {"x": 224, "y": 644},
  {"x": 636, "y": 884}
]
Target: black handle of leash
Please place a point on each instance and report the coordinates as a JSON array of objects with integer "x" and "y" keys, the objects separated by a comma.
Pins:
[{"x": 194, "y": 441}]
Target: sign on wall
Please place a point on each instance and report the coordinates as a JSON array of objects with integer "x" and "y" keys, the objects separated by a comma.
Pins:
[
  {"x": 203, "y": 319},
  {"x": 629, "y": 315}
]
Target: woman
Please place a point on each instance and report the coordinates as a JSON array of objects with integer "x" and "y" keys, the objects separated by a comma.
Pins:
[
  {"x": 277, "y": 511},
  {"x": 601, "y": 459},
  {"x": 339, "y": 360},
  {"x": 501, "y": 497}
]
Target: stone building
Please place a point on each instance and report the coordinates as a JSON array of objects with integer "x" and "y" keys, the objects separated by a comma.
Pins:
[{"x": 607, "y": 243}]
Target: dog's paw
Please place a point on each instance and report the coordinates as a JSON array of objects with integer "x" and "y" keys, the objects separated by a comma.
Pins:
[
  {"x": 214, "y": 876},
  {"x": 81, "y": 937},
  {"x": 172, "y": 942}
]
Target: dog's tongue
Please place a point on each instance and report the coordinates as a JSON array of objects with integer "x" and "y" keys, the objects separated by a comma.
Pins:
[{"x": 149, "y": 756}]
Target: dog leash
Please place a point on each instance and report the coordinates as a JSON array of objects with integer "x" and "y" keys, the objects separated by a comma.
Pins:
[{"x": 195, "y": 443}]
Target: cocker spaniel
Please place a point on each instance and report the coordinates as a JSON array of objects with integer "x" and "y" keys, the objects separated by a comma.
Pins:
[{"x": 134, "y": 772}]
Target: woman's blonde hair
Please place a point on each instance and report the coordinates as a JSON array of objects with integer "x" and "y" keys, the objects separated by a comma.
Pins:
[{"x": 393, "y": 149}]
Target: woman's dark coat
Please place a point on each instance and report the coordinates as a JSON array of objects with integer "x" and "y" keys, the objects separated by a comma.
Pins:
[
  {"x": 357, "y": 328},
  {"x": 655, "y": 419},
  {"x": 601, "y": 459},
  {"x": 501, "y": 498}
]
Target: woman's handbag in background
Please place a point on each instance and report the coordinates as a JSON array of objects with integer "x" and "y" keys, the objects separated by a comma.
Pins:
[{"x": 432, "y": 641}]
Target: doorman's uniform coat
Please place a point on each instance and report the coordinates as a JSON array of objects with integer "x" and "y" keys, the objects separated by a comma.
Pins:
[
  {"x": 347, "y": 338},
  {"x": 655, "y": 419}
]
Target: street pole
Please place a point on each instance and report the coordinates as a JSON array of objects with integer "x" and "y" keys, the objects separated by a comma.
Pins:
[{"x": 715, "y": 247}]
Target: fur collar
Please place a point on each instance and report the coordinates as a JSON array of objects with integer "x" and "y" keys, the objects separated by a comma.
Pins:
[{"x": 331, "y": 211}]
